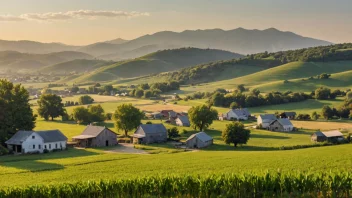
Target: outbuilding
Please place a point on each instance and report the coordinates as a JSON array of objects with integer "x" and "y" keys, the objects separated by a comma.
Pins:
[
  {"x": 328, "y": 136},
  {"x": 37, "y": 141},
  {"x": 199, "y": 140},
  {"x": 150, "y": 133},
  {"x": 265, "y": 119},
  {"x": 183, "y": 121},
  {"x": 96, "y": 136},
  {"x": 283, "y": 125}
]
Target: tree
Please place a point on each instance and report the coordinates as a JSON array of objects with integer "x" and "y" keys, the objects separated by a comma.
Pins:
[
  {"x": 327, "y": 112},
  {"x": 148, "y": 94},
  {"x": 127, "y": 117},
  {"x": 235, "y": 133},
  {"x": 83, "y": 100},
  {"x": 201, "y": 117},
  {"x": 322, "y": 93},
  {"x": 241, "y": 88},
  {"x": 74, "y": 89},
  {"x": 349, "y": 95},
  {"x": 108, "y": 88},
  {"x": 96, "y": 113},
  {"x": 315, "y": 115},
  {"x": 139, "y": 93},
  {"x": 81, "y": 115},
  {"x": 144, "y": 86},
  {"x": 15, "y": 111},
  {"x": 50, "y": 105},
  {"x": 173, "y": 133},
  {"x": 234, "y": 105},
  {"x": 255, "y": 92}
]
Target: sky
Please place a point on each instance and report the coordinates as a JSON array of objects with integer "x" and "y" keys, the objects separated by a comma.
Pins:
[{"x": 81, "y": 22}]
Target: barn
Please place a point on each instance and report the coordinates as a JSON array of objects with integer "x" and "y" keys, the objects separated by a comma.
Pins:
[
  {"x": 95, "y": 136},
  {"x": 199, "y": 140},
  {"x": 150, "y": 133},
  {"x": 328, "y": 136}
]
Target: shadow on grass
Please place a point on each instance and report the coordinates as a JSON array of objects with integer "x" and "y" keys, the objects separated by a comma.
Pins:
[{"x": 33, "y": 162}]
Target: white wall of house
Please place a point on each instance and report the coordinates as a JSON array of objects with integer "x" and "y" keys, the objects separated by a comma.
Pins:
[
  {"x": 178, "y": 122},
  {"x": 265, "y": 123},
  {"x": 288, "y": 127},
  {"x": 33, "y": 143},
  {"x": 54, "y": 145}
]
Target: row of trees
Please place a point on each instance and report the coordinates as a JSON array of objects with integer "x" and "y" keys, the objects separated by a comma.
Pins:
[{"x": 154, "y": 90}]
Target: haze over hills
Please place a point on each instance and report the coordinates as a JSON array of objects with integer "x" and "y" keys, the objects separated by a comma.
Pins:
[
  {"x": 24, "y": 61},
  {"x": 77, "y": 65},
  {"x": 238, "y": 40},
  {"x": 161, "y": 61}
]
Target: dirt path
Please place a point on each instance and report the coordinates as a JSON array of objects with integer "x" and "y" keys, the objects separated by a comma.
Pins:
[{"x": 126, "y": 148}]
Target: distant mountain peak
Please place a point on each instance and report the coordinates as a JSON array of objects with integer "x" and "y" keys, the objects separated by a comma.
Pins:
[{"x": 116, "y": 41}]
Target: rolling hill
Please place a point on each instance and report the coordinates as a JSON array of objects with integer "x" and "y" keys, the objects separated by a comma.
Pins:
[
  {"x": 238, "y": 40},
  {"x": 77, "y": 66},
  {"x": 22, "y": 61},
  {"x": 34, "y": 47},
  {"x": 161, "y": 61}
]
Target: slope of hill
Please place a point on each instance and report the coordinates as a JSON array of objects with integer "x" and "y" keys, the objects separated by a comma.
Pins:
[
  {"x": 34, "y": 47},
  {"x": 238, "y": 40},
  {"x": 161, "y": 61},
  {"x": 273, "y": 79},
  {"x": 77, "y": 66},
  {"x": 24, "y": 61},
  {"x": 116, "y": 41}
]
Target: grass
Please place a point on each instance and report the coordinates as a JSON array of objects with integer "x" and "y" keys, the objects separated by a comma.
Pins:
[
  {"x": 294, "y": 70},
  {"x": 74, "y": 166}
]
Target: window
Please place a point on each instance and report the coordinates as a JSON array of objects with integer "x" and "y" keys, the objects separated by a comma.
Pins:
[
  {"x": 33, "y": 146},
  {"x": 33, "y": 137},
  {"x": 40, "y": 146},
  {"x": 55, "y": 145},
  {"x": 49, "y": 146},
  {"x": 45, "y": 146}
]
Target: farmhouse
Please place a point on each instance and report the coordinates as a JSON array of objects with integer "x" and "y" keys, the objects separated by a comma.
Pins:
[
  {"x": 283, "y": 125},
  {"x": 96, "y": 136},
  {"x": 150, "y": 133},
  {"x": 237, "y": 114},
  {"x": 36, "y": 141},
  {"x": 168, "y": 113},
  {"x": 199, "y": 140},
  {"x": 289, "y": 115},
  {"x": 183, "y": 121},
  {"x": 265, "y": 119},
  {"x": 329, "y": 136}
]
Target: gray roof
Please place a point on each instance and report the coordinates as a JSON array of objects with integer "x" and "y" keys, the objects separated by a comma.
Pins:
[
  {"x": 52, "y": 136},
  {"x": 201, "y": 136},
  {"x": 48, "y": 136},
  {"x": 153, "y": 128},
  {"x": 184, "y": 119},
  {"x": 241, "y": 112},
  {"x": 320, "y": 134},
  {"x": 94, "y": 130},
  {"x": 19, "y": 137},
  {"x": 268, "y": 116},
  {"x": 283, "y": 122},
  {"x": 335, "y": 133}
]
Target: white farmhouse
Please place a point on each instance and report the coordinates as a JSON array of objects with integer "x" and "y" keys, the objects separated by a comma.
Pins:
[
  {"x": 237, "y": 114},
  {"x": 36, "y": 141},
  {"x": 265, "y": 120}
]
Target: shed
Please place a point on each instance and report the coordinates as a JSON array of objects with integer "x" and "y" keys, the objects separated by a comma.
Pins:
[
  {"x": 329, "y": 136},
  {"x": 96, "y": 136},
  {"x": 318, "y": 137},
  {"x": 199, "y": 140},
  {"x": 150, "y": 133},
  {"x": 283, "y": 125},
  {"x": 183, "y": 121}
]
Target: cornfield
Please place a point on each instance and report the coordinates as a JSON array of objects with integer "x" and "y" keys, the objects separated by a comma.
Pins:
[{"x": 248, "y": 185}]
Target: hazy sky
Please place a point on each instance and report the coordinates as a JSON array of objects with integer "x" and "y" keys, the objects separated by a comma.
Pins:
[{"x": 87, "y": 21}]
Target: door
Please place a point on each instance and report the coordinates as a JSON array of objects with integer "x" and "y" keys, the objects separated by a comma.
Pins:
[{"x": 107, "y": 143}]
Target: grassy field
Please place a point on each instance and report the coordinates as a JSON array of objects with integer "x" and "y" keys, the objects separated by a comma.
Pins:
[{"x": 82, "y": 165}]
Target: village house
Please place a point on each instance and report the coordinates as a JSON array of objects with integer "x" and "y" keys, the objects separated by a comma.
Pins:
[
  {"x": 328, "y": 136},
  {"x": 265, "y": 119},
  {"x": 150, "y": 133},
  {"x": 95, "y": 136},
  {"x": 182, "y": 121},
  {"x": 236, "y": 114},
  {"x": 36, "y": 141},
  {"x": 169, "y": 114},
  {"x": 283, "y": 125},
  {"x": 199, "y": 140},
  {"x": 288, "y": 115}
]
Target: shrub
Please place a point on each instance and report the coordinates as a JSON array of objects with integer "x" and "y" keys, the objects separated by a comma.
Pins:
[
  {"x": 45, "y": 151},
  {"x": 3, "y": 150}
]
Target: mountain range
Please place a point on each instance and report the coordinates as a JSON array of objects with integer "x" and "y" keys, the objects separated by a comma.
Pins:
[{"x": 238, "y": 40}]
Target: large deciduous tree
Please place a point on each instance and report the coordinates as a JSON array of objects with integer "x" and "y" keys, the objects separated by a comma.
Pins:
[
  {"x": 15, "y": 111},
  {"x": 81, "y": 115},
  {"x": 127, "y": 117},
  {"x": 85, "y": 100},
  {"x": 327, "y": 112},
  {"x": 201, "y": 117},
  {"x": 51, "y": 106},
  {"x": 235, "y": 133}
]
